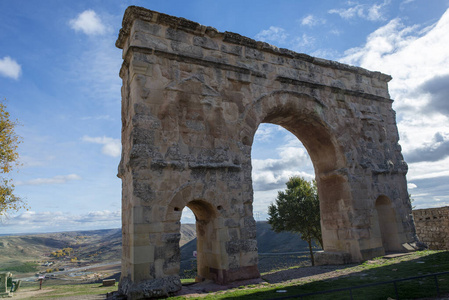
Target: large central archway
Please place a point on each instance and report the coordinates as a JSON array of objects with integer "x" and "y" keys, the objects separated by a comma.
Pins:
[
  {"x": 302, "y": 115},
  {"x": 192, "y": 100}
]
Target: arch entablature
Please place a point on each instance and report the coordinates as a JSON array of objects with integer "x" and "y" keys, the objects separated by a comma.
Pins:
[{"x": 192, "y": 100}]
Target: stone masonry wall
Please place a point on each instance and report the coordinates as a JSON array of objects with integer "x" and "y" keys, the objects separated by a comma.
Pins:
[{"x": 432, "y": 227}]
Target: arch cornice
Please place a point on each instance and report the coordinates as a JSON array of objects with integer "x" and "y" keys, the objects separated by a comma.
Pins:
[{"x": 133, "y": 13}]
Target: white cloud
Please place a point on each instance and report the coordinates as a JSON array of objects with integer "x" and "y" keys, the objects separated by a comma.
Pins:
[
  {"x": 99, "y": 117},
  {"x": 335, "y": 32},
  {"x": 311, "y": 20},
  {"x": 373, "y": 12},
  {"x": 94, "y": 71},
  {"x": 435, "y": 150},
  {"x": 38, "y": 161},
  {"x": 301, "y": 42},
  {"x": 89, "y": 23},
  {"x": 278, "y": 36},
  {"x": 267, "y": 132},
  {"x": 390, "y": 40},
  {"x": 10, "y": 68},
  {"x": 111, "y": 147},
  {"x": 187, "y": 216},
  {"x": 272, "y": 35},
  {"x": 59, "y": 179},
  {"x": 269, "y": 174},
  {"x": 427, "y": 170},
  {"x": 418, "y": 60},
  {"x": 329, "y": 54},
  {"x": 411, "y": 186},
  {"x": 32, "y": 221}
]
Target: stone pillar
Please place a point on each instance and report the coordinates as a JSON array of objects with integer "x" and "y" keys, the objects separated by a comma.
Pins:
[{"x": 4, "y": 291}]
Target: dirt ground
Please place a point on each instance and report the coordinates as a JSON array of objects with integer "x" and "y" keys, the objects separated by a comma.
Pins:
[{"x": 27, "y": 294}]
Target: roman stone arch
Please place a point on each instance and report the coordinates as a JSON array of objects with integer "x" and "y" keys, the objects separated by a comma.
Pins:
[{"x": 192, "y": 100}]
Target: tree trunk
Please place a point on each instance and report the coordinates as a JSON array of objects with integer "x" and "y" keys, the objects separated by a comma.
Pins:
[{"x": 309, "y": 241}]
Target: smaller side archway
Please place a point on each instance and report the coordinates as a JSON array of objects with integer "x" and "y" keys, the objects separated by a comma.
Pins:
[
  {"x": 205, "y": 216},
  {"x": 388, "y": 224},
  {"x": 206, "y": 229},
  {"x": 219, "y": 243}
]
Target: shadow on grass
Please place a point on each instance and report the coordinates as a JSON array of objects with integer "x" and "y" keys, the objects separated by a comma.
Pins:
[
  {"x": 301, "y": 272},
  {"x": 373, "y": 271}
]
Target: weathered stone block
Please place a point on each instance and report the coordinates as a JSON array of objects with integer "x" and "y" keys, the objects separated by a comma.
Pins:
[
  {"x": 143, "y": 254},
  {"x": 186, "y": 49},
  {"x": 232, "y": 49},
  {"x": 205, "y": 42},
  {"x": 177, "y": 35}
]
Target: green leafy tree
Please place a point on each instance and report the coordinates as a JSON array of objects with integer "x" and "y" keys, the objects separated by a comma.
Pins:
[
  {"x": 297, "y": 210},
  {"x": 9, "y": 142}
]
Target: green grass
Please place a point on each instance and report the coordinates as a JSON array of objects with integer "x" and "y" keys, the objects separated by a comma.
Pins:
[
  {"x": 50, "y": 291},
  {"x": 187, "y": 280},
  {"x": 376, "y": 270},
  {"x": 26, "y": 267}
]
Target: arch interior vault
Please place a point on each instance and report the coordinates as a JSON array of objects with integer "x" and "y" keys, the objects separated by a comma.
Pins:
[{"x": 192, "y": 100}]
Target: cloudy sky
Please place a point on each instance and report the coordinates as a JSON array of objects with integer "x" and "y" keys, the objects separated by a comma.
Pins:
[{"x": 59, "y": 75}]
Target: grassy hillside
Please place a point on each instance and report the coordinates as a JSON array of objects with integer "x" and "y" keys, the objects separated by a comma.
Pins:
[
  {"x": 188, "y": 233},
  {"x": 268, "y": 241},
  {"x": 88, "y": 246},
  {"x": 91, "y": 246},
  {"x": 276, "y": 251}
]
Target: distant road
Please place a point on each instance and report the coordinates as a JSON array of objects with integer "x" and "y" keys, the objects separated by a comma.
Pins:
[
  {"x": 269, "y": 254},
  {"x": 77, "y": 269}
]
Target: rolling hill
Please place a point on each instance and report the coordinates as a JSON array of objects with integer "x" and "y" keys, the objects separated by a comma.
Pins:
[{"x": 105, "y": 246}]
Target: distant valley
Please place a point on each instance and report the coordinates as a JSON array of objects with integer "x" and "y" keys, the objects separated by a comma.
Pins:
[{"x": 81, "y": 248}]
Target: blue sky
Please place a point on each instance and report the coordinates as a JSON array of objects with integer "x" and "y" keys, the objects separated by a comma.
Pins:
[{"x": 59, "y": 75}]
